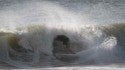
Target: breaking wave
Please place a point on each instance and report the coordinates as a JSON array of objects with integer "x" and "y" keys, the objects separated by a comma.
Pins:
[
  {"x": 32, "y": 39},
  {"x": 91, "y": 44}
]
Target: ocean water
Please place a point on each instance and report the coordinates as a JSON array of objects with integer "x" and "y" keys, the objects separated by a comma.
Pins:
[{"x": 95, "y": 29}]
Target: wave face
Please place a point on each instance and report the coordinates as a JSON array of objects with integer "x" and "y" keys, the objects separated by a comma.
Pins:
[
  {"x": 62, "y": 33},
  {"x": 91, "y": 45}
]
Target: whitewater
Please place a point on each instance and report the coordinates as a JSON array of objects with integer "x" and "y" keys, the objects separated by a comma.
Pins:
[{"x": 95, "y": 30}]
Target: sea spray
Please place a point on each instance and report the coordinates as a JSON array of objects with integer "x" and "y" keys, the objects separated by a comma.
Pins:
[{"x": 37, "y": 23}]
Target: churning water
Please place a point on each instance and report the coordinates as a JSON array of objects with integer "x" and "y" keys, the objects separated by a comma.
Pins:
[{"x": 95, "y": 28}]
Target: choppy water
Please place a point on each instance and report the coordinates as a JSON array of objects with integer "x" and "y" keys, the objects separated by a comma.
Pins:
[{"x": 96, "y": 30}]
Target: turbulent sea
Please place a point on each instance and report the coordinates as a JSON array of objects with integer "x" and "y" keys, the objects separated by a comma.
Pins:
[{"x": 95, "y": 29}]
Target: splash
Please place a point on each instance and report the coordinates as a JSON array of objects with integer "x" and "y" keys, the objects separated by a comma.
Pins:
[{"x": 36, "y": 23}]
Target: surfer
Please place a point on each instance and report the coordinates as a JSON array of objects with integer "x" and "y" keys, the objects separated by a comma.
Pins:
[
  {"x": 61, "y": 45},
  {"x": 62, "y": 49}
]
